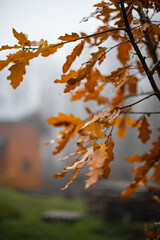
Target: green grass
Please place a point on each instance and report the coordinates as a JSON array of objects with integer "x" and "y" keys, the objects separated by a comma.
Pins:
[{"x": 21, "y": 219}]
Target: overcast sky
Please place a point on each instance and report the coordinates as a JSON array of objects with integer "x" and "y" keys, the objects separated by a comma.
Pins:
[{"x": 38, "y": 19}]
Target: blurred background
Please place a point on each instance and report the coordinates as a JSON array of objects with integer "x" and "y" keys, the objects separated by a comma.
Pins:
[{"x": 26, "y": 164}]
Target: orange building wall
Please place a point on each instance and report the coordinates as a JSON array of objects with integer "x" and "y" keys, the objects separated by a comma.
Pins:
[{"x": 23, "y": 158}]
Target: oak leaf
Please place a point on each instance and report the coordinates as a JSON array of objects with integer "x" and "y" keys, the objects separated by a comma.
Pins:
[
  {"x": 68, "y": 38},
  {"x": 121, "y": 123},
  {"x": 21, "y": 37},
  {"x": 76, "y": 53},
  {"x": 17, "y": 72},
  {"x": 6, "y": 47},
  {"x": 99, "y": 162},
  {"x": 65, "y": 78},
  {"x": 50, "y": 49},
  {"x": 124, "y": 52},
  {"x": 144, "y": 131}
]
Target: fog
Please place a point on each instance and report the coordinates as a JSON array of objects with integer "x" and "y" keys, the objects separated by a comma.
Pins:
[{"x": 37, "y": 94}]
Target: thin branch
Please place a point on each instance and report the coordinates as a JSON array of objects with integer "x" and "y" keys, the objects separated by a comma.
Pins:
[
  {"x": 149, "y": 44},
  {"x": 141, "y": 100},
  {"x": 147, "y": 113},
  {"x": 155, "y": 67},
  {"x": 113, "y": 48},
  {"x": 139, "y": 94},
  {"x": 136, "y": 48},
  {"x": 81, "y": 38}
]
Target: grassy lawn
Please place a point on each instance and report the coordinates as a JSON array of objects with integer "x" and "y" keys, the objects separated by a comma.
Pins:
[{"x": 21, "y": 219}]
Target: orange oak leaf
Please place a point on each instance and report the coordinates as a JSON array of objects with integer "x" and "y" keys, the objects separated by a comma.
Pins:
[
  {"x": 71, "y": 58},
  {"x": 97, "y": 55},
  {"x": 71, "y": 125},
  {"x": 92, "y": 79},
  {"x": 6, "y": 47},
  {"x": 123, "y": 52},
  {"x": 80, "y": 93},
  {"x": 82, "y": 73},
  {"x": 17, "y": 72},
  {"x": 65, "y": 137},
  {"x": 85, "y": 70},
  {"x": 65, "y": 78},
  {"x": 68, "y": 38},
  {"x": 121, "y": 123},
  {"x": 94, "y": 128},
  {"x": 96, "y": 96},
  {"x": 150, "y": 161},
  {"x": 132, "y": 84},
  {"x": 4, "y": 63},
  {"x": 64, "y": 120},
  {"x": 75, "y": 173},
  {"x": 20, "y": 60},
  {"x": 21, "y": 37},
  {"x": 100, "y": 115},
  {"x": 99, "y": 162},
  {"x": 144, "y": 131},
  {"x": 118, "y": 78},
  {"x": 50, "y": 49},
  {"x": 69, "y": 88}
]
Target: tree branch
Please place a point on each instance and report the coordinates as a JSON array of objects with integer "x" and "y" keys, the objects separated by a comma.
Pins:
[
  {"x": 139, "y": 112},
  {"x": 113, "y": 48},
  {"x": 142, "y": 99},
  {"x": 81, "y": 38},
  {"x": 149, "y": 44},
  {"x": 155, "y": 67},
  {"x": 136, "y": 48}
]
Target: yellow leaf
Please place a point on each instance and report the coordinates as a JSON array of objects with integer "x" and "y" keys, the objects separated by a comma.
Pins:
[{"x": 76, "y": 53}]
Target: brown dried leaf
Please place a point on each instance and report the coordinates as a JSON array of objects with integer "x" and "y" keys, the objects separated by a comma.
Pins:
[{"x": 99, "y": 162}]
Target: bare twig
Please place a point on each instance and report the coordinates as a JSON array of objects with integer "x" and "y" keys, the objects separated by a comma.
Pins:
[
  {"x": 155, "y": 68},
  {"x": 141, "y": 100},
  {"x": 147, "y": 113}
]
